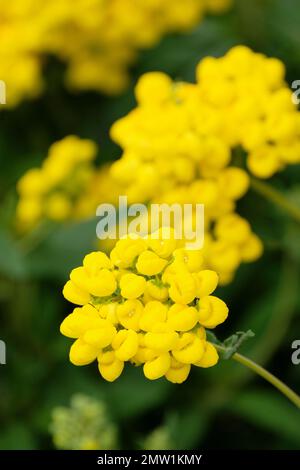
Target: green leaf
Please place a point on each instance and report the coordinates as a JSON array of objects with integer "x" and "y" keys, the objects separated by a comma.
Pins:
[
  {"x": 231, "y": 344},
  {"x": 234, "y": 342},
  {"x": 270, "y": 411},
  {"x": 188, "y": 427},
  {"x": 63, "y": 250},
  {"x": 132, "y": 395},
  {"x": 11, "y": 259},
  {"x": 212, "y": 338}
]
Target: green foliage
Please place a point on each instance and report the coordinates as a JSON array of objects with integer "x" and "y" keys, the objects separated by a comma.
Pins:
[
  {"x": 11, "y": 260},
  {"x": 17, "y": 433},
  {"x": 268, "y": 410},
  {"x": 232, "y": 344},
  {"x": 159, "y": 439}
]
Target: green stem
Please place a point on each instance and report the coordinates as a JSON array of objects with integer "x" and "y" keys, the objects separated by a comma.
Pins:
[
  {"x": 276, "y": 197},
  {"x": 284, "y": 389}
]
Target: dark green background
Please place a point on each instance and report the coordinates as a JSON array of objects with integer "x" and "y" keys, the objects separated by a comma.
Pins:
[{"x": 225, "y": 407}]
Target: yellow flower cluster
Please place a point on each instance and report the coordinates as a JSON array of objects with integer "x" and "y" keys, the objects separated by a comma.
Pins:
[
  {"x": 229, "y": 244},
  {"x": 228, "y": 238},
  {"x": 180, "y": 132},
  {"x": 57, "y": 190},
  {"x": 97, "y": 39},
  {"x": 149, "y": 304},
  {"x": 181, "y": 145}
]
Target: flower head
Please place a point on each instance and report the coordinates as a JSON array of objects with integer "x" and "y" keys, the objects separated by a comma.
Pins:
[
  {"x": 142, "y": 314},
  {"x": 55, "y": 190},
  {"x": 97, "y": 39}
]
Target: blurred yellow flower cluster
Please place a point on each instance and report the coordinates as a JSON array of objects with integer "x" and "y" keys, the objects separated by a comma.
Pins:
[
  {"x": 97, "y": 39},
  {"x": 180, "y": 132},
  {"x": 149, "y": 304},
  {"x": 60, "y": 189},
  {"x": 182, "y": 143}
]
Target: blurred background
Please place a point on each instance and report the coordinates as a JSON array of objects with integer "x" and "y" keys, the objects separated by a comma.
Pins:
[{"x": 226, "y": 407}]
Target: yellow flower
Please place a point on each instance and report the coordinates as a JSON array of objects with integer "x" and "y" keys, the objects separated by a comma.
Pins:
[
  {"x": 110, "y": 367},
  {"x": 97, "y": 40},
  {"x": 143, "y": 354},
  {"x": 234, "y": 182},
  {"x": 182, "y": 318},
  {"x": 126, "y": 251},
  {"x": 125, "y": 344},
  {"x": 162, "y": 242},
  {"x": 233, "y": 228},
  {"x": 161, "y": 340},
  {"x": 158, "y": 367},
  {"x": 132, "y": 286},
  {"x": 206, "y": 282},
  {"x": 156, "y": 291},
  {"x": 153, "y": 87},
  {"x": 99, "y": 284},
  {"x": 212, "y": 311},
  {"x": 82, "y": 353},
  {"x": 190, "y": 349},
  {"x": 223, "y": 256},
  {"x": 32, "y": 182},
  {"x": 210, "y": 357},
  {"x": 76, "y": 295},
  {"x": 183, "y": 288},
  {"x": 109, "y": 312},
  {"x": 180, "y": 147},
  {"x": 56, "y": 190},
  {"x": 154, "y": 313},
  {"x": 150, "y": 263},
  {"x": 130, "y": 324},
  {"x": 29, "y": 213},
  {"x": 101, "y": 337},
  {"x": 178, "y": 372},
  {"x": 251, "y": 249},
  {"x": 58, "y": 207},
  {"x": 81, "y": 320},
  {"x": 96, "y": 261},
  {"x": 129, "y": 314},
  {"x": 192, "y": 259}
]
